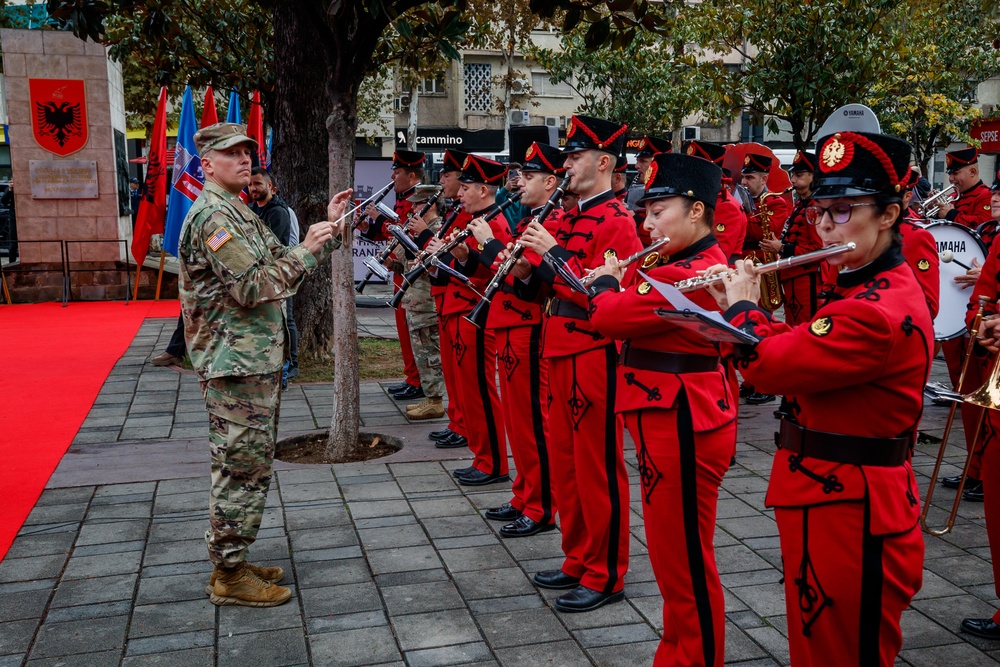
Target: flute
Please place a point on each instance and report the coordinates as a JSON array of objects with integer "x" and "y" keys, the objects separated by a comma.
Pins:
[
  {"x": 701, "y": 282},
  {"x": 632, "y": 259}
]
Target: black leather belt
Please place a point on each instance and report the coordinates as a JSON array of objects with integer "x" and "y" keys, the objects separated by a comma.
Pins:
[
  {"x": 666, "y": 362},
  {"x": 838, "y": 448},
  {"x": 562, "y": 308}
]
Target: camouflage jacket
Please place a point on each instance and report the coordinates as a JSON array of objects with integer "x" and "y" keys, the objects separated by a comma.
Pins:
[
  {"x": 234, "y": 277},
  {"x": 421, "y": 310}
]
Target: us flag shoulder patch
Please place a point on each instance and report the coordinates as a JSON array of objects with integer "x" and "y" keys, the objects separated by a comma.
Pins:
[{"x": 219, "y": 239}]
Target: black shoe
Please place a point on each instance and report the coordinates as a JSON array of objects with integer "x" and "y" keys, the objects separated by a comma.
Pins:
[
  {"x": 582, "y": 598},
  {"x": 745, "y": 391},
  {"x": 954, "y": 481},
  {"x": 440, "y": 435},
  {"x": 981, "y": 627},
  {"x": 397, "y": 387},
  {"x": 458, "y": 472},
  {"x": 973, "y": 491},
  {"x": 525, "y": 527},
  {"x": 555, "y": 580},
  {"x": 456, "y": 441},
  {"x": 505, "y": 512},
  {"x": 480, "y": 478},
  {"x": 757, "y": 398},
  {"x": 409, "y": 393}
]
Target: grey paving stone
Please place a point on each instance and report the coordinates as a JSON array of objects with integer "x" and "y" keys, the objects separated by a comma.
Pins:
[
  {"x": 181, "y": 551},
  {"x": 314, "y": 518},
  {"x": 277, "y": 648},
  {"x": 451, "y": 506},
  {"x": 477, "y": 559},
  {"x": 433, "y": 629},
  {"x": 403, "y": 559},
  {"x": 465, "y": 542},
  {"x": 626, "y": 655},
  {"x": 375, "y": 491},
  {"x": 172, "y": 618},
  {"x": 173, "y": 588},
  {"x": 81, "y": 567},
  {"x": 33, "y": 567},
  {"x": 522, "y": 626},
  {"x": 238, "y": 620},
  {"x": 87, "y": 636},
  {"x": 67, "y": 512},
  {"x": 378, "y": 508},
  {"x": 361, "y": 619},
  {"x": 324, "y": 573},
  {"x": 393, "y": 537},
  {"x": 86, "y": 611},
  {"x": 651, "y": 608},
  {"x": 173, "y": 486},
  {"x": 556, "y": 654},
  {"x": 343, "y": 599},
  {"x": 424, "y": 597},
  {"x": 385, "y": 521},
  {"x": 385, "y": 581},
  {"x": 70, "y": 496},
  {"x": 195, "y": 657},
  {"x": 440, "y": 481},
  {"x": 951, "y": 654},
  {"x": 456, "y": 526},
  {"x": 297, "y": 493},
  {"x": 620, "y": 613},
  {"x": 94, "y": 591},
  {"x": 504, "y": 582},
  {"x": 100, "y": 659},
  {"x": 15, "y": 636},
  {"x": 498, "y": 605},
  {"x": 543, "y": 545},
  {"x": 118, "y": 531},
  {"x": 349, "y": 648},
  {"x": 193, "y": 501},
  {"x": 961, "y": 570},
  {"x": 167, "y": 644},
  {"x": 463, "y": 654},
  {"x": 24, "y": 605},
  {"x": 618, "y": 634},
  {"x": 172, "y": 530},
  {"x": 947, "y": 612}
]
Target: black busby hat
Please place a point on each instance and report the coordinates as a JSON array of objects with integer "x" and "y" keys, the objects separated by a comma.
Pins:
[
  {"x": 756, "y": 164},
  {"x": 453, "y": 160},
  {"x": 706, "y": 150},
  {"x": 679, "y": 175},
  {"x": 585, "y": 133},
  {"x": 650, "y": 146},
  {"x": 803, "y": 161},
  {"x": 482, "y": 170},
  {"x": 955, "y": 160},
  {"x": 408, "y": 159},
  {"x": 854, "y": 164},
  {"x": 543, "y": 157},
  {"x": 621, "y": 165},
  {"x": 912, "y": 179}
]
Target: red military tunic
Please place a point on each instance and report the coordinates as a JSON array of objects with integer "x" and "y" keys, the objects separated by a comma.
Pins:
[
  {"x": 799, "y": 285},
  {"x": 972, "y": 208},
  {"x": 852, "y": 551},
  {"x": 684, "y": 428},
  {"x": 920, "y": 251},
  {"x": 472, "y": 364},
  {"x": 588, "y": 464},
  {"x": 772, "y": 209},
  {"x": 730, "y": 225},
  {"x": 524, "y": 381}
]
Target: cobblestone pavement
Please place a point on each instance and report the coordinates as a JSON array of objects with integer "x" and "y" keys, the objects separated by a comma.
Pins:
[{"x": 390, "y": 561}]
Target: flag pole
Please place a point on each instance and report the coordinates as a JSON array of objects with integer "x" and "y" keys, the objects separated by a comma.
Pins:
[
  {"x": 6, "y": 292},
  {"x": 135, "y": 289},
  {"x": 159, "y": 277}
]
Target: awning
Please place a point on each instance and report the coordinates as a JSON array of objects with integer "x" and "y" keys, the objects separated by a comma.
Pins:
[{"x": 987, "y": 132}]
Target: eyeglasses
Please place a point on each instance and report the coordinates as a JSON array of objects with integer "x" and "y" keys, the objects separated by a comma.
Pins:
[{"x": 839, "y": 213}]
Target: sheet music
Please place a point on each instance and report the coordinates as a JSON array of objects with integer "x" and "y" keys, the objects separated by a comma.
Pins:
[{"x": 709, "y": 324}]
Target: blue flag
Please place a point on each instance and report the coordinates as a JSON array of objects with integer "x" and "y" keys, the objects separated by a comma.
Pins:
[
  {"x": 188, "y": 178},
  {"x": 233, "y": 115}
]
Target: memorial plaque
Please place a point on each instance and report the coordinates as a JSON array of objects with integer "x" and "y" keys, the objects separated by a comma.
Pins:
[{"x": 63, "y": 179}]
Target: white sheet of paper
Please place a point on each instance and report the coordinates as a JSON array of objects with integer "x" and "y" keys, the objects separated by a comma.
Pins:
[{"x": 682, "y": 303}]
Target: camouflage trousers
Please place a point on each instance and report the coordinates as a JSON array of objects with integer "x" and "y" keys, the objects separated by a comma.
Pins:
[
  {"x": 426, "y": 342},
  {"x": 242, "y": 427}
]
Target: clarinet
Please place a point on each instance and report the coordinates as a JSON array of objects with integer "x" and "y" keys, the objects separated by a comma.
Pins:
[
  {"x": 478, "y": 315},
  {"x": 390, "y": 247},
  {"x": 375, "y": 200},
  {"x": 429, "y": 259}
]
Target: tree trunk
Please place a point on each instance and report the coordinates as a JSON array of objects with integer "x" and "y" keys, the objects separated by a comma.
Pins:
[
  {"x": 412, "y": 116},
  {"x": 301, "y": 161}
]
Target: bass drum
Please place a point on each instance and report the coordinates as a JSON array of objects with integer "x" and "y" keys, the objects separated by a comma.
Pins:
[{"x": 964, "y": 246}]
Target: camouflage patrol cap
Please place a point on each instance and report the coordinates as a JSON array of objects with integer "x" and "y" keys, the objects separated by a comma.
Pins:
[
  {"x": 221, "y": 135},
  {"x": 422, "y": 193}
]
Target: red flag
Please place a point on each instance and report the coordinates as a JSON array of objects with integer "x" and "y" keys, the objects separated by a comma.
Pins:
[
  {"x": 153, "y": 206},
  {"x": 255, "y": 130},
  {"x": 209, "y": 116}
]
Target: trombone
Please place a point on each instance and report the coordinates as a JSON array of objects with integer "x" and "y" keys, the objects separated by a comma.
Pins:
[{"x": 987, "y": 396}]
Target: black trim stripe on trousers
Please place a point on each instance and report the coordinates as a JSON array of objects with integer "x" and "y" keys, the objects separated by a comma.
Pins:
[
  {"x": 870, "y": 618},
  {"x": 544, "y": 468},
  {"x": 611, "y": 457},
  {"x": 692, "y": 530},
  {"x": 484, "y": 396}
]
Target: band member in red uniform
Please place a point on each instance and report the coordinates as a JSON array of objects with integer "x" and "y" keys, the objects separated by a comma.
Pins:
[
  {"x": 972, "y": 208},
  {"x": 648, "y": 147},
  {"x": 771, "y": 208},
  {"x": 524, "y": 376},
  {"x": 799, "y": 286},
  {"x": 844, "y": 493},
  {"x": 587, "y": 459},
  {"x": 619, "y": 179},
  {"x": 474, "y": 349},
  {"x": 730, "y": 219},
  {"x": 920, "y": 250},
  {"x": 989, "y": 341},
  {"x": 452, "y": 436},
  {"x": 407, "y": 174},
  {"x": 675, "y": 398}
]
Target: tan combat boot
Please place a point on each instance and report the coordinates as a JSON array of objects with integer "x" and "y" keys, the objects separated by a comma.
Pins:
[
  {"x": 241, "y": 586},
  {"x": 429, "y": 408},
  {"x": 272, "y": 574}
]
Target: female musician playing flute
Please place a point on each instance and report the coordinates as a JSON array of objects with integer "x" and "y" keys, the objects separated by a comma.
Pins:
[
  {"x": 845, "y": 498},
  {"x": 677, "y": 404}
]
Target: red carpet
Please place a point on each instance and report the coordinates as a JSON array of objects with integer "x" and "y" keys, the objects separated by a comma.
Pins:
[{"x": 56, "y": 361}]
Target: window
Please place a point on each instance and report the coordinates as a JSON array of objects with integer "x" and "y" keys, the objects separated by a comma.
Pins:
[
  {"x": 542, "y": 86},
  {"x": 433, "y": 85},
  {"x": 477, "y": 87}
]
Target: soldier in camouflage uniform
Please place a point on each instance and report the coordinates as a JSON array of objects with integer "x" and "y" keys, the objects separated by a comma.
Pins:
[
  {"x": 421, "y": 317},
  {"x": 234, "y": 278}
]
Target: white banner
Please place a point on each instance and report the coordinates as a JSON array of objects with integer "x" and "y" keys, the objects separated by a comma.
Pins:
[{"x": 370, "y": 176}]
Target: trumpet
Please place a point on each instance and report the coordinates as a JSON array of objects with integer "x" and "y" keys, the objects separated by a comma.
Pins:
[
  {"x": 701, "y": 282},
  {"x": 928, "y": 210}
]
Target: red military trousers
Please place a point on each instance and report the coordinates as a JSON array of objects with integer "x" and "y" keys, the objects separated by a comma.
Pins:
[
  {"x": 588, "y": 468},
  {"x": 403, "y": 330},
  {"x": 455, "y": 422}
]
